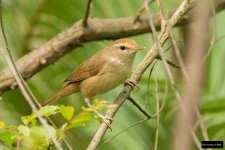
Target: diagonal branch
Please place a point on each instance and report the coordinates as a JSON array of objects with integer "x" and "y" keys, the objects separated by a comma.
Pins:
[
  {"x": 31, "y": 100},
  {"x": 164, "y": 34},
  {"x": 76, "y": 35}
]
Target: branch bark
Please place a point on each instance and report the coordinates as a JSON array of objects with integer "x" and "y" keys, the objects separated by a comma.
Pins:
[
  {"x": 164, "y": 34},
  {"x": 76, "y": 35}
]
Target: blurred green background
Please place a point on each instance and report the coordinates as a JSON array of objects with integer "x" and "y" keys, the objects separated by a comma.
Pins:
[{"x": 30, "y": 23}]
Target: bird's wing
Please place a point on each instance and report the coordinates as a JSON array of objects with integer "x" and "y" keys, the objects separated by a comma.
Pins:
[{"x": 90, "y": 67}]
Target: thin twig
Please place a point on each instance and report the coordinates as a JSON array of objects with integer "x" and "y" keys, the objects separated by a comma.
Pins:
[
  {"x": 147, "y": 89},
  {"x": 212, "y": 42},
  {"x": 201, "y": 124},
  {"x": 18, "y": 143},
  {"x": 139, "y": 107},
  {"x": 170, "y": 62},
  {"x": 158, "y": 114},
  {"x": 87, "y": 13},
  {"x": 139, "y": 122},
  {"x": 141, "y": 10},
  {"x": 170, "y": 77},
  {"x": 120, "y": 132},
  {"x": 178, "y": 55},
  {"x": 164, "y": 99},
  {"x": 22, "y": 85}
]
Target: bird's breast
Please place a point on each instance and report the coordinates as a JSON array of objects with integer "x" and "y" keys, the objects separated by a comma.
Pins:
[
  {"x": 112, "y": 74},
  {"x": 117, "y": 68}
]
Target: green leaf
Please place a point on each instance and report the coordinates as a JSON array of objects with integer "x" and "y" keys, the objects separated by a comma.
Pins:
[
  {"x": 75, "y": 125},
  {"x": 24, "y": 130},
  {"x": 39, "y": 137},
  {"x": 67, "y": 111},
  {"x": 81, "y": 118},
  {"x": 8, "y": 138},
  {"x": 44, "y": 111},
  {"x": 48, "y": 110},
  {"x": 31, "y": 119}
]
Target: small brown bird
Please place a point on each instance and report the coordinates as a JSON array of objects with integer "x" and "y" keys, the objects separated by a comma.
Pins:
[{"x": 102, "y": 72}]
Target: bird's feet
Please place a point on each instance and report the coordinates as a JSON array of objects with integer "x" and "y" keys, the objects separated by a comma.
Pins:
[
  {"x": 106, "y": 120},
  {"x": 131, "y": 82}
]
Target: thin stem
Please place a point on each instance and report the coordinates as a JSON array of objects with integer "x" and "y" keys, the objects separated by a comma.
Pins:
[
  {"x": 122, "y": 131},
  {"x": 212, "y": 42},
  {"x": 141, "y": 10},
  {"x": 22, "y": 85},
  {"x": 158, "y": 114},
  {"x": 147, "y": 89},
  {"x": 164, "y": 99},
  {"x": 170, "y": 62},
  {"x": 87, "y": 13},
  {"x": 139, "y": 107}
]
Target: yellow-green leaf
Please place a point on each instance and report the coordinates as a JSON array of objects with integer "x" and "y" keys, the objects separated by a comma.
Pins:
[
  {"x": 48, "y": 110},
  {"x": 81, "y": 118},
  {"x": 39, "y": 138},
  {"x": 31, "y": 119},
  {"x": 24, "y": 130},
  {"x": 67, "y": 111}
]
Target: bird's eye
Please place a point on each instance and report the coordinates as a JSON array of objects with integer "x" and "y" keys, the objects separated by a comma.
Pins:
[{"x": 122, "y": 47}]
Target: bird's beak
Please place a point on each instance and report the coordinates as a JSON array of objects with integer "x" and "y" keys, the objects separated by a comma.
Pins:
[{"x": 139, "y": 47}]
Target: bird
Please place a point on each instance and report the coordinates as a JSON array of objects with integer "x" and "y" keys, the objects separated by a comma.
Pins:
[{"x": 101, "y": 73}]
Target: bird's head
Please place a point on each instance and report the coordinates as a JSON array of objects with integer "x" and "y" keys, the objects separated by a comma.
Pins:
[
  {"x": 126, "y": 45},
  {"x": 122, "y": 50}
]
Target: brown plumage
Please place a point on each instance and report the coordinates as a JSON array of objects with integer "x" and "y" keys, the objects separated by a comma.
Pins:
[{"x": 102, "y": 72}]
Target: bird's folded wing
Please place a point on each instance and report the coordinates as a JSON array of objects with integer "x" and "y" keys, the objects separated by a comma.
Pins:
[{"x": 89, "y": 68}]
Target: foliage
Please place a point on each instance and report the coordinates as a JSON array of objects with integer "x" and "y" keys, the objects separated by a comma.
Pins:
[{"x": 31, "y": 134}]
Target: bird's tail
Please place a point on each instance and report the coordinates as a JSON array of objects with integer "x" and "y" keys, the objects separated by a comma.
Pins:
[{"x": 67, "y": 90}]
